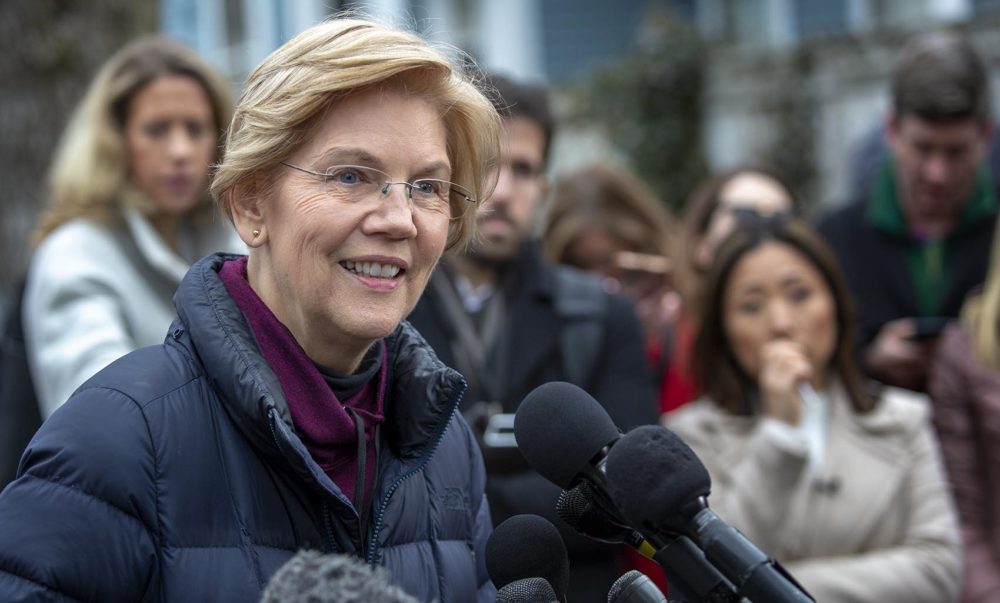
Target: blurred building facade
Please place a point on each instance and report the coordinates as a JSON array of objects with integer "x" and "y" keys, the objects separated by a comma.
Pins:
[{"x": 796, "y": 83}]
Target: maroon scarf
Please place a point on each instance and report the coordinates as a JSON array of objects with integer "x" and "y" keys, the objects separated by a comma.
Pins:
[{"x": 325, "y": 424}]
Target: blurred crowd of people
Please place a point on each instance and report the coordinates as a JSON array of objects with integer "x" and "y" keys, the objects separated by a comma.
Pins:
[{"x": 361, "y": 268}]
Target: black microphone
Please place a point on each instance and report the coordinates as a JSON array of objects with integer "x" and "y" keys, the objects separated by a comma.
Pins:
[
  {"x": 565, "y": 435},
  {"x": 577, "y": 507},
  {"x": 315, "y": 578},
  {"x": 660, "y": 486},
  {"x": 635, "y": 587},
  {"x": 528, "y": 546},
  {"x": 527, "y": 590}
]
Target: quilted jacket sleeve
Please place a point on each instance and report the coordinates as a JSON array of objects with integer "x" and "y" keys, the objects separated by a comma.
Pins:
[
  {"x": 961, "y": 416},
  {"x": 80, "y": 521}
]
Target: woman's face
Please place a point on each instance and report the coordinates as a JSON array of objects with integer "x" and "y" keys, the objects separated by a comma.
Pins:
[
  {"x": 592, "y": 251},
  {"x": 313, "y": 261},
  {"x": 749, "y": 191},
  {"x": 775, "y": 292},
  {"x": 171, "y": 138}
]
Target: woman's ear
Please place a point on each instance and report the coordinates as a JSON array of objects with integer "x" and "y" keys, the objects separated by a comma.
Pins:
[{"x": 246, "y": 207}]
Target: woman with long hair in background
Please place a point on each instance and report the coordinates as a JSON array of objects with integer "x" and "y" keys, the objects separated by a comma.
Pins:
[{"x": 128, "y": 212}]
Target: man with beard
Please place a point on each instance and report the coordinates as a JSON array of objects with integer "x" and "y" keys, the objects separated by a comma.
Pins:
[{"x": 509, "y": 321}]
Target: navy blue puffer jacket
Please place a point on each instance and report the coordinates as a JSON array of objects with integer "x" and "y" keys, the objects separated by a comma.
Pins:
[{"x": 175, "y": 475}]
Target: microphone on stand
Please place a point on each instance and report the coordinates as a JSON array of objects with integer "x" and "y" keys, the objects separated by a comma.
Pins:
[
  {"x": 577, "y": 508},
  {"x": 565, "y": 435},
  {"x": 661, "y": 487}
]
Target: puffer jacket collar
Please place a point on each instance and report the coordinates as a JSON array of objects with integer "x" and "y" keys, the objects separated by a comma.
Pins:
[{"x": 252, "y": 393}]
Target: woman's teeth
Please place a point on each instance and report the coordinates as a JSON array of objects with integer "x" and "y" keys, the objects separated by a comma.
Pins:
[{"x": 372, "y": 269}]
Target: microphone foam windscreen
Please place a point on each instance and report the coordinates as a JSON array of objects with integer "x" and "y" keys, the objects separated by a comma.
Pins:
[
  {"x": 559, "y": 428},
  {"x": 527, "y": 546},
  {"x": 310, "y": 576},
  {"x": 527, "y": 590},
  {"x": 652, "y": 473}
]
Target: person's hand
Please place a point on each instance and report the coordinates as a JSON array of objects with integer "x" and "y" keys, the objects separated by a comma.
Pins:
[
  {"x": 784, "y": 365},
  {"x": 895, "y": 358},
  {"x": 658, "y": 311},
  {"x": 645, "y": 279}
]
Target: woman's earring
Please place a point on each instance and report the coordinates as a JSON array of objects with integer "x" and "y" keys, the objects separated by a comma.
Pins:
[{"x": 256, "y": 232}]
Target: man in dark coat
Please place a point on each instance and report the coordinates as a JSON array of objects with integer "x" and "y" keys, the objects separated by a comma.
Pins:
[
  {"x": 509, "y": 321},
  {"x": 919, "y": 240}
]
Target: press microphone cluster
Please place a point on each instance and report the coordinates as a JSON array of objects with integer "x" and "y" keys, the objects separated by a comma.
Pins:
[
  {"x": 647, "y": 489},
  {"x": 527, "y": 562}
]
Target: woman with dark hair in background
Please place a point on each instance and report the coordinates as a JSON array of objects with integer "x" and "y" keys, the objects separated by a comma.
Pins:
[
  {"x": 716, "y": 208},
  {"x": 603, "y": 219},
  {"x": 842, "y": 485}
]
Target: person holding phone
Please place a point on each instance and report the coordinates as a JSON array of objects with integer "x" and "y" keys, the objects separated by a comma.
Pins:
[{"x": 918, "y": 241}]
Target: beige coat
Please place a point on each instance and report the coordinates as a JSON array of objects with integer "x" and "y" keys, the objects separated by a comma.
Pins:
[{"x": 876, "y": 523}]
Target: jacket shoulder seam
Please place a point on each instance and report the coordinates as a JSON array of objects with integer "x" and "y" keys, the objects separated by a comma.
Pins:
[
  {"x": 141, "y": 405},
  {"x": 88, "y": 494}
]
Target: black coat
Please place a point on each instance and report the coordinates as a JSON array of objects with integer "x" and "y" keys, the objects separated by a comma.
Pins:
[
  {"x": 874, "y": 265},
  {"x": 620, "y": 382},
  {"x": 175, "y": 475}
]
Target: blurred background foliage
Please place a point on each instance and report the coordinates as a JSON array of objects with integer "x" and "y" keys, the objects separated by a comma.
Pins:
[
  {"x": 649, "y": 106},
  {"x": 53, "y": 49}
]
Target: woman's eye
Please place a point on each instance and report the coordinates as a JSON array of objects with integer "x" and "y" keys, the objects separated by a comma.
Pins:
[
  {"x": 749, "y": 307},
  {"x": 427, "y": 187},
  {"x": 156, "y": 129},
  {"x": 196, "y": 130},
  {"x": 800, "y": 294},
  {"x": 345, "y": 176}
]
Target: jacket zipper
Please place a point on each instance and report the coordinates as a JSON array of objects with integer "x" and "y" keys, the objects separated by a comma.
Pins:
[
  {"x": 330, "y": 546},
  {"x": 370, "y": 558}
]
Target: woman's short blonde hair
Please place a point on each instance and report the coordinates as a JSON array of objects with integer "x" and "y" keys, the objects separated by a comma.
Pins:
[
  {"x": 300, "y": 81},
  {"x": 90, "y": 172}
]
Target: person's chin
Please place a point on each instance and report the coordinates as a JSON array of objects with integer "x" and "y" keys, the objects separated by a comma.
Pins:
[
  {"x": 176, "y": 205},
  {"x": 492, "y": 252}
]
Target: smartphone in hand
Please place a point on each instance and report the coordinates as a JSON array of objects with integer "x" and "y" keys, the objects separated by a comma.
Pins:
[{"x": 929, "y": 327}]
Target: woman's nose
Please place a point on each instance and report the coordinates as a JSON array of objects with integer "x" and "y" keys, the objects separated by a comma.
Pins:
[
  {"x": 394, "y": 214},
  {"x": 780, "y": 319},
  {"x": 179, "y": 144}
]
